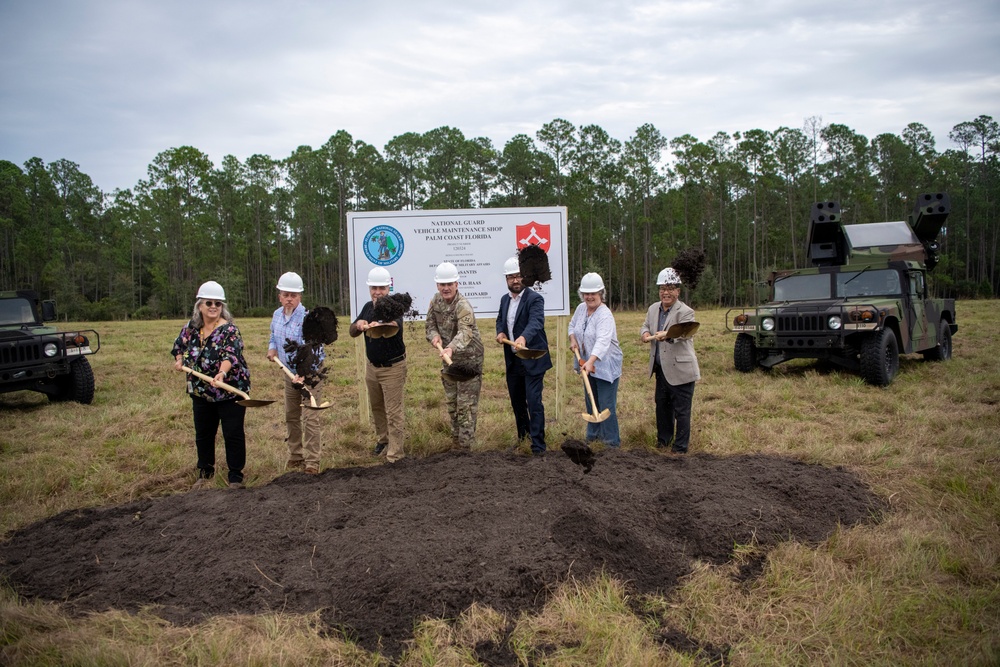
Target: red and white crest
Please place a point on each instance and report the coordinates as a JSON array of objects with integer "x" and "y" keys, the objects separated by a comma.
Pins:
[{"x": 533, "y": 233}]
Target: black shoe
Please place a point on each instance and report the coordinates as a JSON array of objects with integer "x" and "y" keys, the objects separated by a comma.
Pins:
[
  {"x": 538, "y": 452},
  {"x": 379, "y": 448}
]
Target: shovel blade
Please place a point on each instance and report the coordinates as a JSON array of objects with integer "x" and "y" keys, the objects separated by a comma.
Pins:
[
  {"x": 683, "y": 330},
  {"x": 322, "y": 406},
  {"x": 530, "y": 354},
  {"x": 457, "y": 374},
  {"x": 382, "y": 330},
  {"x": 253, "y": 403},
  {"x": 597, "y": 418}
]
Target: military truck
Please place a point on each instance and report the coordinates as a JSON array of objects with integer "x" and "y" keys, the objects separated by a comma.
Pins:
[
  {"x": 862, "y": 303},
  {"x": 35, "y": 356}
]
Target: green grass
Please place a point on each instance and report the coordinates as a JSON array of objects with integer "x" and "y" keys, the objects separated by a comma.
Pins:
[{"x": 922, "y": 587}]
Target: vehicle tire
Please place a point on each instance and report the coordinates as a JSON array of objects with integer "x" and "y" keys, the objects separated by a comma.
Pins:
[
  {"x": 880, "y": 358},
  {"x": 78, "y": 385},
  {"x": 745, "y": 353},
  {"x": 941, "y": 351}
]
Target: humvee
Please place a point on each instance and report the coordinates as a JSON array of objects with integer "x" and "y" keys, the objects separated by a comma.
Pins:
[
  {"x": 862, "y": 303},
  {"x": 38, "y": 357}
]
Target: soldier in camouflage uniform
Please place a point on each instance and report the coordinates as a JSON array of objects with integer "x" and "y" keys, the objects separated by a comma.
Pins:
[{"x": 451, "y": 323}]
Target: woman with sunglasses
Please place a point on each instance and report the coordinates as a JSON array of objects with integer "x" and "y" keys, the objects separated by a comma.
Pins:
[{"x": 211, "y": 344}]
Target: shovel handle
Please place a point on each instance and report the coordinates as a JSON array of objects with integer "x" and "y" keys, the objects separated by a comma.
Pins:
[
  {"x": 221, "y": 385},
  {"x": 447, "y": 359},
  {"x": 586, "y": 383},
  {"x": 291, "y": 376},
  {"x": 511, "y": 343}
]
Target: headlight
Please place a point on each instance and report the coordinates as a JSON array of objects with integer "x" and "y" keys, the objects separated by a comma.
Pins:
[
  {"x": 834, "y": 322},
  {"x": 767, "y": 324},
  {"x": 51, "y": 349}
]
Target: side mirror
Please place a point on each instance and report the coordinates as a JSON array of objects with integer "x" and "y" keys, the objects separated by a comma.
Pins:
[{"x": 48, "y": 311}]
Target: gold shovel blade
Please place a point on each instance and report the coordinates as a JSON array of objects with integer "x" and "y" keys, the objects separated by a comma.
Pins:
[
  {"x": 682, "y": 330},
  {"x": 382, "y": 330},
  {"x": 253, "y": 403},
  {"x": 597, "y": 419},
  {"x": 322, "y": 406},
  {"x": 525, "y": 353}
]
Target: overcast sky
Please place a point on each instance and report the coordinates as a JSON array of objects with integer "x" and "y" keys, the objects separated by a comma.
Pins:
[{"x": 109, "y": 84}]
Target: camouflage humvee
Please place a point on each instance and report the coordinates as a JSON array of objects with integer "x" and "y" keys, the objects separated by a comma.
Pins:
[
  {"x": 862, "y": 303},
  {"x": 36, "y": 356}
]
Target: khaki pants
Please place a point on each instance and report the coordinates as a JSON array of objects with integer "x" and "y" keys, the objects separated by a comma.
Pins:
[
  {"x": 305, "y": 433},
  {"x": 385, "y": 393}
]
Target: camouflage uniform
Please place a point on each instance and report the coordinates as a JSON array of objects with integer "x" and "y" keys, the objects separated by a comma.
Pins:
[{"x": 455, "y": 323}]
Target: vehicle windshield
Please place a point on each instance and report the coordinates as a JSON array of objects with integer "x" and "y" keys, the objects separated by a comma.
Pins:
[
  {"x": 879, "y": 282},
  {"x": 802, "y": 288},
  {"x": 16, "y": 311}
]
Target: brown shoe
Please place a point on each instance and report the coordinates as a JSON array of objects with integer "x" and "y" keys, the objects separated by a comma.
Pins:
[
  {"x": 295, "y": 465},
  {"x": 312, "y": 469},
  {"x": 237, "y": 485},
  {"x": 201, "y": 483}
]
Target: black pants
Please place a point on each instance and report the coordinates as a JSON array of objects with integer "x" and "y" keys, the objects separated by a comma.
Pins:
[
  {"x": 673, "y": 408},
  {"x": 207, "y": 417},
  {"x": 526, "y": 400}
]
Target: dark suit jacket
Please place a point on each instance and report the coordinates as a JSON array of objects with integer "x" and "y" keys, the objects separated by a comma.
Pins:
[{"x": 530, "y": 323}]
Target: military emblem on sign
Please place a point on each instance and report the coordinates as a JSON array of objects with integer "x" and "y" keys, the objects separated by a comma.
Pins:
[
  {"x": 383, "y": 245},
  {"x": 533, "y": 233}
]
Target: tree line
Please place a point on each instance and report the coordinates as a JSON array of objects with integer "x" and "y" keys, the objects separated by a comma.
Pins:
[{"x": 742, "y": 197}]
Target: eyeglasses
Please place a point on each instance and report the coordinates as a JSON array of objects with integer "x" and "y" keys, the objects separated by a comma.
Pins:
[
  {"x": 670, "y": 288},
  {"x": 513, "y": 276},
  {"x": 214, "y": 304},
  {"x": 288, "y": 295}
]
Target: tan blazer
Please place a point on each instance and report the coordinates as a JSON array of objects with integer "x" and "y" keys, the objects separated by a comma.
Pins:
[{"x": 678, "y": 360}]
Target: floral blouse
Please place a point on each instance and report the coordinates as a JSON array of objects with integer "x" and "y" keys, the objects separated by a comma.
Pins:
[{"x": 225, "y": 343}]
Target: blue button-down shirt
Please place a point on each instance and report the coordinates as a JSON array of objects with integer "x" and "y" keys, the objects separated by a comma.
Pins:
[{"x": 288, "y": 328}]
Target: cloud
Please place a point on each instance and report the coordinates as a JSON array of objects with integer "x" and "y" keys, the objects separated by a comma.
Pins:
[{"x": 109, "y": 85}]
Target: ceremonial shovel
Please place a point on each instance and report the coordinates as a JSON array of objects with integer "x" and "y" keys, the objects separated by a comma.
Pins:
[
  {"x": 679, "y": 330},
  {"x": 312, "y": 399},
  {"x": 246, "y": 400},
  {"x": 523, "y": 352},
  {"x": 381, "y": 329},
  {"x": 459, "y": 373},
  {"x": 594, "y": 418}
]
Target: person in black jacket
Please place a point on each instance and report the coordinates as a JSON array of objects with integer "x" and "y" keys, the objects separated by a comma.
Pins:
[{"x": 521, "y": 319}]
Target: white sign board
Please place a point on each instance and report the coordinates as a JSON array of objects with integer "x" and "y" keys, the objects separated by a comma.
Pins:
[{"x": 410, "y": 245}]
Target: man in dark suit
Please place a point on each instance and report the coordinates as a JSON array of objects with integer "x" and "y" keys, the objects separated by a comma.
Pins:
[{"x": 522, "y": 320}]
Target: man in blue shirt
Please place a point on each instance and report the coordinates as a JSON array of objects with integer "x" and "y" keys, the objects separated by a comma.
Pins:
[{"x": 304, "y": 432}]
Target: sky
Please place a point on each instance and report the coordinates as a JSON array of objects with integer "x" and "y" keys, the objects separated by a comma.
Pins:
[{"x": 110, "y": 84}]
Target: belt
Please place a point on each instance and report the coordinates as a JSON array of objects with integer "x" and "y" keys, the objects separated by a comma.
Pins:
[{"x": 387, "y": 364}]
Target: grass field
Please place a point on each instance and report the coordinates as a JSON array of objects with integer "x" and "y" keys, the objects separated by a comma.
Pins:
[{"x": 921, "y": 587}]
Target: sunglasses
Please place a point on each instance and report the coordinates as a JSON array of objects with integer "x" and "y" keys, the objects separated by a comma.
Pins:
[{"x": 214, "y": 304}]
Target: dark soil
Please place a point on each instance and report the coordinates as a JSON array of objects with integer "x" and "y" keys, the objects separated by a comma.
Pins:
[{"x": 379, "y": 547}]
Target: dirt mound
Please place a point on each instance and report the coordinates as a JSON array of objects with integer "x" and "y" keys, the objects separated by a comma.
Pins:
[{"x": 379, "y": 547}]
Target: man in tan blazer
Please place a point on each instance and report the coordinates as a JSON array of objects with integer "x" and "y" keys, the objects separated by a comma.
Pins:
[{"x": 673, "y": 362}]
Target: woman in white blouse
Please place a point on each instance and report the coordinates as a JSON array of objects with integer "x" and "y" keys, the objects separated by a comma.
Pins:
[{"x": 594, "y": 334}]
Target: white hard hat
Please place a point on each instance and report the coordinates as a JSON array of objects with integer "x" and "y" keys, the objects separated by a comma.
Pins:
[
  {"x": 379, "y": 277},
  {"x": 591, "y": 282},
  {"x": 290, "y": 282},
  {"x": 511, "y": 266},
  {"x": 211, "y": 290},
  {"x": 446, "y": 272},
  {"x": 668, "y": 276}
]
